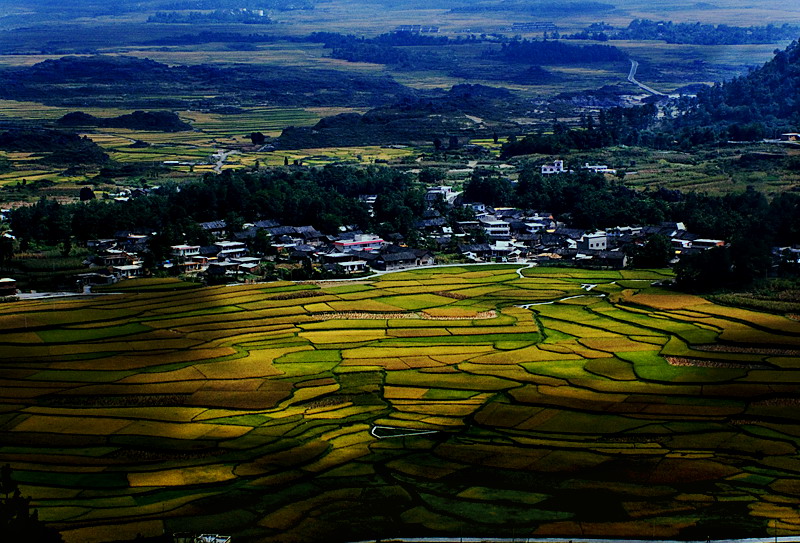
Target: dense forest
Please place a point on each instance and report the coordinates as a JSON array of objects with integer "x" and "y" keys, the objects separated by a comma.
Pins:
[
  {"x": 414, "y": 51},
  {"x": 557, "y": 52},
  {"x": 761, "y": 104},
  {"x": 589, "y": 201},
  {"x": 401, "y": 50},
  {"x": 326, "y": 198}
]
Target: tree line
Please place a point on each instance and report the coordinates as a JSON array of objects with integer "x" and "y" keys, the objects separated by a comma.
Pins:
[
  {"x": 628, "y": 126},
  {"x": 557, "y": 52},
  {"x": 689, "y": 33},
  {"x": 326, "y": 198}
]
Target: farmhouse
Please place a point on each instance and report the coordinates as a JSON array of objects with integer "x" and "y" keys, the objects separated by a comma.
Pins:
[
  {"x": 220, "y": 269},
  {"x": 93, "y": 278},
  {"x": 215, "y": 228},
  {"x": 353, "y": 266},
  {"x": 401, "y": 258},
  {"x": 446, "y": 193},
  {"x": 114, "y": 257}
]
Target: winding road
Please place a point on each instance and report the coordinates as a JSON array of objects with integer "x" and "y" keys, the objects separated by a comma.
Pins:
[
  {"x": 221, "y": 157},
  {"x": 632, "y": 79}
]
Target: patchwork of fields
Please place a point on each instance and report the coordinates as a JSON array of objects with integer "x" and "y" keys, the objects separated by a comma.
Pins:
[
  {"x": 426, "y": 402},
  {"x": 211, "y": 133}
]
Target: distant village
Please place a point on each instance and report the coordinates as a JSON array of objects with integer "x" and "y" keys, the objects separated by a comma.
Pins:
[{"x": 266, "y": 250}]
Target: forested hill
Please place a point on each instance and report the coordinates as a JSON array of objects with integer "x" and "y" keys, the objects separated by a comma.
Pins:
[
  {"x": 165, "y": 121},
  {"x": 761, "y": 104}
]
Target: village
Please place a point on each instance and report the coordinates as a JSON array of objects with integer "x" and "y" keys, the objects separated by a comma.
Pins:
[{"x": 267, "y": 250}]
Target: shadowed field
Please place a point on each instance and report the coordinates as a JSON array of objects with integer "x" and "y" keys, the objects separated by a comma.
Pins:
[{"x": 619, "y": 410}]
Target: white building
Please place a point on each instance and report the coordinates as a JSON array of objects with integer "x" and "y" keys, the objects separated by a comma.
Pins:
[
  {"x": 598, "y": 168},
  {"x": 361, "y": 242},
  {"x": 555, "y": 168},
  {"x": 184, "y": 251},
  {"x": 496, "y": 229},
  {"x": 596, "y": 241}
]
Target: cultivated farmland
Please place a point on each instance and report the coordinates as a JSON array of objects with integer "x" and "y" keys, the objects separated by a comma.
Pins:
[{"x": 425, "y": 402}]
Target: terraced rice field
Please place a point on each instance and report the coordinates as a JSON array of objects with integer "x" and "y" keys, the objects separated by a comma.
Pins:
[{"x": 419, "y": 403}]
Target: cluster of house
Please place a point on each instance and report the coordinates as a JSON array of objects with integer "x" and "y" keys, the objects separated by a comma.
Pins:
[
  {"x": 347, "y": 253},
  {"x": 513, "y": 235},
  {"x": 495, "y": 234}
]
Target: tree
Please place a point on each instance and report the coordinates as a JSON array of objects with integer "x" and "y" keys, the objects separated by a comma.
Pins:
[
  {"x": 488, "y": 188},
  {"x": 233, "y": 223},
  {"x": 258, "y": 138},
  {"x": 6, "y": 249},
  {"x": 261, "y": 243},
  {"x": 704, "y": 271},
  {"x": 86, "y": 194},
  {"x": 432, "y": 176},
  {"x": 656, "y": 252},
  {"x": 17, "y": 522}
]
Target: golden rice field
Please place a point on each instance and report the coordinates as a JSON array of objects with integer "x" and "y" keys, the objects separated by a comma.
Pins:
[{"x": 419, "y": 403}]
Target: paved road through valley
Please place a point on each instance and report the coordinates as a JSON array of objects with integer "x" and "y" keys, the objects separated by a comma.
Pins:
[{"x": 632, "y": 79}]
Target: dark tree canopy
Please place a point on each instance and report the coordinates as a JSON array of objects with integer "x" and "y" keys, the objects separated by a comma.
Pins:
[{"x": 17, "y": 521}]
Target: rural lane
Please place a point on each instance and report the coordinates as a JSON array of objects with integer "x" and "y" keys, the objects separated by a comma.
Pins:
[{"x": 632, "y": 79}]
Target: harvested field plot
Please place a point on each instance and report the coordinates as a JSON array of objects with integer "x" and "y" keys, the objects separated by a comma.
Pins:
[{"x": 445, "y": 401}]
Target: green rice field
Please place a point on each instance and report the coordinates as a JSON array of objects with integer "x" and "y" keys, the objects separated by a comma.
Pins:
[{"x": 461, "y": 401}]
